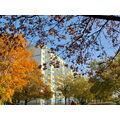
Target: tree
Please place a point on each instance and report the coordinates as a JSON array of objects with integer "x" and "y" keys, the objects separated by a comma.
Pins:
[
  {"x": 35, "y": 88},
  {"x": 32, "y": 91},
  {"x": 81, "y": 89},
  {"x": 73, "y": 37},
  {"x": 102, "y": 90},
  {"x": 65, "y": 86},
  {"x": 107, "y": 82},
  {"x": 47, "y": 93},
  {"x": 15, "y": 63},
  {"x": 77, "y": 87}
]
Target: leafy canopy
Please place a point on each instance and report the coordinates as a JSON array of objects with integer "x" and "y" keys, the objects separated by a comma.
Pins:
[{"x": 15, "y": 64}]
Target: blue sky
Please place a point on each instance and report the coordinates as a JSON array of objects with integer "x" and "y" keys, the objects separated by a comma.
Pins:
[{"x": 104, "y": 41}]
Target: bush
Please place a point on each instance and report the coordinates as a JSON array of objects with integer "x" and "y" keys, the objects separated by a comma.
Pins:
[{"x": 117, "y": 102}]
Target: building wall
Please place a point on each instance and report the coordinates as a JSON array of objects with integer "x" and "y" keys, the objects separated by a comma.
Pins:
[{"x": 51, "y": 74}]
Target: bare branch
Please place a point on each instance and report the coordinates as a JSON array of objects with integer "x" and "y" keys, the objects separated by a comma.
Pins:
[{"x": 106, "y": 17}]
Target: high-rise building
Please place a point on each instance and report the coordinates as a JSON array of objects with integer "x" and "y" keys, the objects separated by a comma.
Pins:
[{"x": 53, "y": 67}]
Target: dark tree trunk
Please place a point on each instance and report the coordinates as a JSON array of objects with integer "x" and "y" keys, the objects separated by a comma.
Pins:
[
  {"x": 26, "y": 102},
  {"x": 55, "y": 98},
  {"x": 18, "y": 101},
  {"x": 13, "y": 101},
  {"x": 65, "y": 100}
]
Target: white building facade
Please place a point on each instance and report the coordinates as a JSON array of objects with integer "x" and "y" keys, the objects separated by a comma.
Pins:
[{"x": 53, "y": 68}]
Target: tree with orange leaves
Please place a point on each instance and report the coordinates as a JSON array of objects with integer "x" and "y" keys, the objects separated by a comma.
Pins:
[
  {"x": 35, "y": 88},
  {"x": 15, "y": 64}
]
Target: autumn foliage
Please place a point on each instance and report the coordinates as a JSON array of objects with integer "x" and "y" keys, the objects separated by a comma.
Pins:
[
  {"x": 75, "y": 38},
  {"x": 35, "y": 88},
  {"x": 15, "y": 64},
  {"x": 106, "y": 82}
]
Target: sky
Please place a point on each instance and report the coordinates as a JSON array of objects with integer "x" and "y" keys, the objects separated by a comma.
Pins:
[{"x": 105, "y": 42}]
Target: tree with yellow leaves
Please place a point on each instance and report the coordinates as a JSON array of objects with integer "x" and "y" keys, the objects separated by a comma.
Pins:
[
  {"x": 15, "y": 64},
  {"x": 106, "y": 82},
  {"x": 35, "y": 88},
  {"x": 76, "y": 87},
  {"x": 65, "y": 86},
  {"x": 81, "y": 89}
]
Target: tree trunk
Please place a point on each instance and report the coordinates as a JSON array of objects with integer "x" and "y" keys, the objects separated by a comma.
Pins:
[
  {"x": 26, "y": 102},
  {"x": 18, "y": 102},
  {"x": 65, "y": 100},
  {"x": 55, "y": 98}
]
